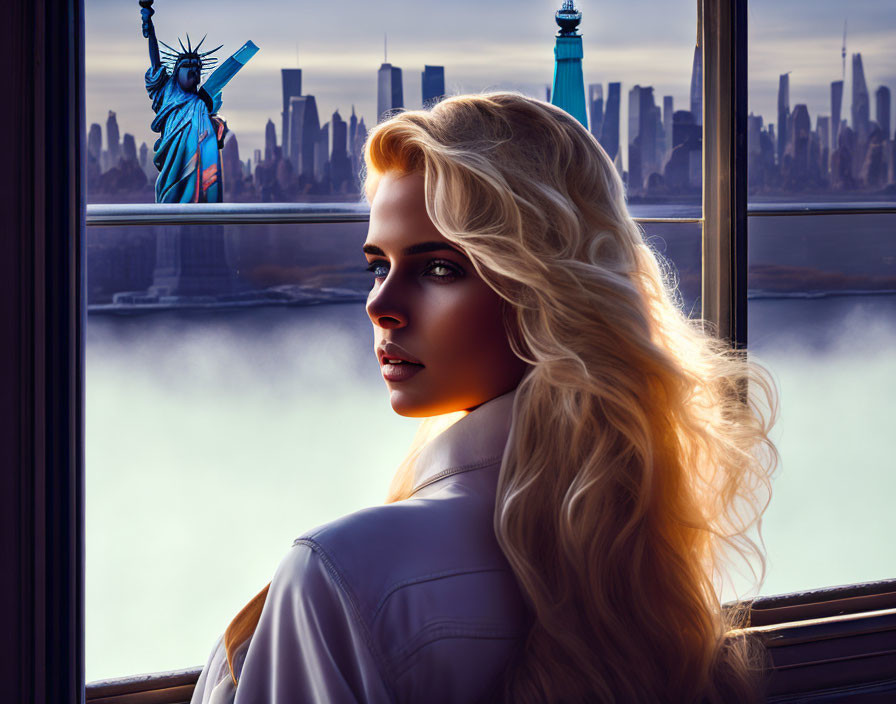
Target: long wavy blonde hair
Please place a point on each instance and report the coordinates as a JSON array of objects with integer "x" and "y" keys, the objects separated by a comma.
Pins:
[{"x": 639, "y": 462}]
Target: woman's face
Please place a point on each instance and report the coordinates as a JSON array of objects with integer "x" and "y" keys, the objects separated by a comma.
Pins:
[{"x": 430, "y": 308}]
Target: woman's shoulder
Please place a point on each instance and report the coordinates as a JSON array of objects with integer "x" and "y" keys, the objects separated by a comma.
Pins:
[
  {"x": 396, "y": 591},
  {"x": 431, "y": 587},
  {"x": 380, "y": 550},
  {"x": 403, "y": 537}
]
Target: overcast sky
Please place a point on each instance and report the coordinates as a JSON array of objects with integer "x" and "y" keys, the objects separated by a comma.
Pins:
[{"x": 500, "y": 44}]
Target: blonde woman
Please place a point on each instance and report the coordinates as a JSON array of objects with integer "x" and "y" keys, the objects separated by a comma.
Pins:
[{"x": 589, "y": 461}]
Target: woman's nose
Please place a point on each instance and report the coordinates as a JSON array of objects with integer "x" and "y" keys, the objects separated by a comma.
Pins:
[{"x": 386, "y": 306}]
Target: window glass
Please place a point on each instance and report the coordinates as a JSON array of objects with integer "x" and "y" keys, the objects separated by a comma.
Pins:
[
  {"x": 233, "y": 402},
  {"x": 679, "y": 245},
  {"x": 822, "y": 309},
  {"x": 214, "y": 438},
  {"x": 822, "y": 286},
  {"x": 233, "y": 398}
]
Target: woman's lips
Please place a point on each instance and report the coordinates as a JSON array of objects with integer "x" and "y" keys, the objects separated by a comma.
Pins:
[{"x": 400, "y": 372}]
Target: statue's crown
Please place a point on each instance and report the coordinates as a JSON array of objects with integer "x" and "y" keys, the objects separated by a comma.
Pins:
[{"x": 171, "y": 57}]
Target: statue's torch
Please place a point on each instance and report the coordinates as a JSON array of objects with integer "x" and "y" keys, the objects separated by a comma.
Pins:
[{"x": 147, "y": 13}]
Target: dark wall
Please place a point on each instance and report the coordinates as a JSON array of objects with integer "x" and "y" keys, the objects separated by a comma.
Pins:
[{"x": 41, "y": 483}]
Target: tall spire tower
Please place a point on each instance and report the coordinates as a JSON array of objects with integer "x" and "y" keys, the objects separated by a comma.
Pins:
[
  {"x": 843, "y": 52},
  {"x": 697, "y": 73},
  {"x": 568, "y": 91}
]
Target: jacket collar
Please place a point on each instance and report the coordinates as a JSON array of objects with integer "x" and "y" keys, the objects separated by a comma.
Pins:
[{"x": 476, "y": 440}]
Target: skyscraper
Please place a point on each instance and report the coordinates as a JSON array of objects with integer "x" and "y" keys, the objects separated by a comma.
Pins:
[
  {"x": 389, "y": 91},
  {"x": 568, "y": 90},
  {"x": 861, "y": 105},
  {"x": 836, "y": 106},
  {"x": 609, "y": 134},
  {"x": 800, "y": 137},
  {"x": 129, "y": 147},
  {"x": 596, "y": 108},
  {"x": 146, "y": 163},
  {"x": 783, "y": 113},
  {"x": 304, "y": 125},
  {"x": 113, "y": 146},
  {"x": 683, "y": 170},
  {"x": 754, "y": 129},
  {"x": 433, "y": 84},
  {"x": 697, "y": 86},
  {"x": 340, "y": 136},
  {"x": 292, "y": 88},
  {"x": 660, "y": 132},
  {"x": 823, "y": 129},
  {"x": 352, "y": 128},
  {"x": 642, "y": 133},
  {"x": 634, "y": 112},
  {"x": 648, "y": 119},
  {"x": 668, "y": 111},
  {"x": 297, "y": 154},
  {"x": 233, "y": 169},
  {"x": 358, "y": 146},
  {"x": 95, "y": 143},
  {"x": 340, "y": 166},
  {"x": 321, "y": 153},
  {"x": 882, "y": 110},
  {"x": 270, "y": 141},
  {"x": 353, "y": 154}
]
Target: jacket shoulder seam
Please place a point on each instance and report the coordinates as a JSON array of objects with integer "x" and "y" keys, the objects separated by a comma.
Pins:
[
  {"x": 460, "y": 469},
  {"x": 390, "y": 591},
  {"x": 446, "y": 630},
  {"x": 344, "y": 587}
]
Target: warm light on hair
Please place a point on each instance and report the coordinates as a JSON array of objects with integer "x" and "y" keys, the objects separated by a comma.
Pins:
[{"x": 639, "y": 459}]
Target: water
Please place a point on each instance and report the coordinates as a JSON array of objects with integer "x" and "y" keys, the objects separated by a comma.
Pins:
[
  {"x": 214, "y": 439},
  {"x": 212, "y": 442},
  {"x": 831, "y": 519}
]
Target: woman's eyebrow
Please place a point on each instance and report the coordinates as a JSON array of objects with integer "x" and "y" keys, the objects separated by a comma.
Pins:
[{"x": 418, "y": 248}]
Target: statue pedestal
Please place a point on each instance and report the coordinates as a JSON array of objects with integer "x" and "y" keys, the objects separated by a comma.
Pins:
[{"x": 192, "y": 260}]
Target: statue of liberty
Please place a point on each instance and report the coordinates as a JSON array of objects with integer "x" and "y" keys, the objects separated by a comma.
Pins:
[{"x": 188, "y": 154}]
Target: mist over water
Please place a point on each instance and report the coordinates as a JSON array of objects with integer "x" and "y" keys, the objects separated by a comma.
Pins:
[
  {"x": 831, "y": 520},
  {"x": 213, "y": 440}
]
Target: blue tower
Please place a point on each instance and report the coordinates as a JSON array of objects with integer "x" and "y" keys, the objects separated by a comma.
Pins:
[
  {"x": 433, "y": 84},
  {"x": 569, "y": 85}
]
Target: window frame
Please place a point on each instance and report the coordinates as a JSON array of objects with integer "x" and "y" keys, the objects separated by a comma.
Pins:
[
  {"x": 43, "y": 317},
  {"x": 722, "y": 31},
  {"x": 43, "y": 313}
]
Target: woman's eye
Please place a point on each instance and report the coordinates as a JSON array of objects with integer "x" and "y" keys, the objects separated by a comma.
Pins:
[
  {"x": 438, "y": 270},
  {"x": 443, "y": 270},
  {"x": 379, "y": 269}
]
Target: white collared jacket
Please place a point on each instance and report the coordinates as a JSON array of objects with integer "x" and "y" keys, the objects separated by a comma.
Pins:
[{"x": 406, "y": 602}]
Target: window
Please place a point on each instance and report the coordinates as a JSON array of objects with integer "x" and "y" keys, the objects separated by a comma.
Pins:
[
  {"x": 223, "y": 341},
  {"x": 227, "y": 346},
  {"x": 43, "y": 500},
  {"x": 822, "y": 282}
]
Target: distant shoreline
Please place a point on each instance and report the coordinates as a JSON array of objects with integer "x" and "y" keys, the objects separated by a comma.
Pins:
[{"x": 128, "y": 309}]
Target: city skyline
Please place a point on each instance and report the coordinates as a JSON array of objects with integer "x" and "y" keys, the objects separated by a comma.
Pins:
[
  {"x": 249, "y": 141},
  {"x": 663, "y": 156},
  {"x": 501, "y": 45}
]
